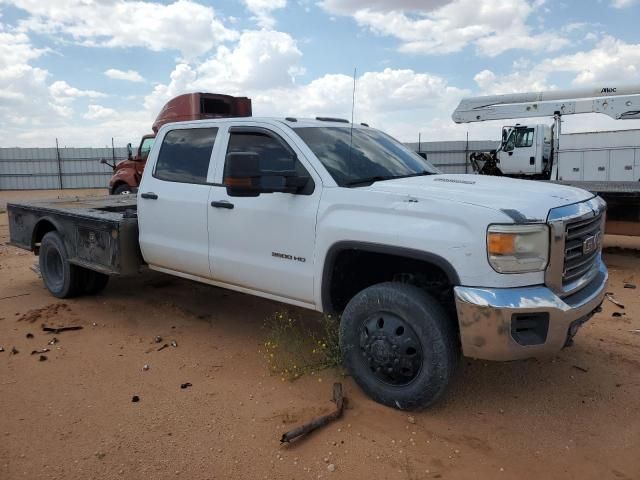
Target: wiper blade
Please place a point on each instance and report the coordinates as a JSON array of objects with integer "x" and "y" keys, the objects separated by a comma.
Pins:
[
  {"x": 369, "y": 180},
  {"x": 379, "y": 178},
  {"x": 417, "y": 174}
]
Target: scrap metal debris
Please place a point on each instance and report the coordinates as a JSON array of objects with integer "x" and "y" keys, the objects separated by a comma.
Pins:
[
  {"x": 158, "y": 339},
  {"x": 1, "y": 349},
  {"x": 60, "y": 329},
  {"x": 14, "y": 351},
  {"x": 29, "y": 335},
  {"x": 617, "y": 314},
  {"x": 42, "y": 358},
  {"x": 174, "y": 343},
  {"x": 637, "y": 331},
  {"x": 609, "y": 296},
  {"x": 319, "y": 421},
  {"x": 145, "y": 367},
  {"x": 582, "y": 369},
  {"x": 166, "y": 345},
  {"x": 14, "y": 296},
  {"x": 186, "y": 385},
  {"x": 37, "y": 352},
  {"x": 630, "y": 285},
  {"x": 135, "y": 399},
  {"x": 53, "y": 341}
]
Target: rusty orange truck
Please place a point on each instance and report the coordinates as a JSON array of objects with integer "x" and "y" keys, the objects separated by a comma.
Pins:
[{"x": 189, "y": 106}]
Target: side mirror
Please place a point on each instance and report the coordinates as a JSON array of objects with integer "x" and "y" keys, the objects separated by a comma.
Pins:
[
  {"x": 103, "y": 161},
  {"x": 129, "y": 151},
  {"x": 245, "y": 177}
]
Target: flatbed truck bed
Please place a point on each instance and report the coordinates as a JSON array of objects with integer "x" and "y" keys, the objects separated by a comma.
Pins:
[{"x": 100, "y": 233}]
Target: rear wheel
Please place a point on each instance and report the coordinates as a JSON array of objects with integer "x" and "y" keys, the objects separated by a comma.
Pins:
[
  {"x": 399, "y": 344},
  {"x": 60, "y": 277},
  {"x": 94, "y": 281}
]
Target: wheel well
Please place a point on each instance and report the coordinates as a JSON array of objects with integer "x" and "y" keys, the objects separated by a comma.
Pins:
[
  {"x": 41, "y": 229},
  {"x": 351, "y": 270}
]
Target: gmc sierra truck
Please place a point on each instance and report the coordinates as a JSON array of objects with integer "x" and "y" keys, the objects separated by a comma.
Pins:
[{"x": 335, "y": 217}]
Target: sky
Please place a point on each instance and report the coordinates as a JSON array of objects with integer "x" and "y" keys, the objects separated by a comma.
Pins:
[{"x": 87, "y": 71}]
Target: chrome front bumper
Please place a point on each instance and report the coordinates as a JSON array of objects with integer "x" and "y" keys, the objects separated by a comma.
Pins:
[{"x": 494, "y": 322}]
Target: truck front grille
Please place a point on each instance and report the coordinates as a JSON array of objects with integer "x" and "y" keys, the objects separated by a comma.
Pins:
[{"x": 582, "y": 247}]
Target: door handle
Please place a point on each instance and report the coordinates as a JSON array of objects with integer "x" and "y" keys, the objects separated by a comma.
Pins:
[
  {"x": 222, "y": 204},
  {"x": 149, "y": 195},
  {"x": 601, "y": 169}
]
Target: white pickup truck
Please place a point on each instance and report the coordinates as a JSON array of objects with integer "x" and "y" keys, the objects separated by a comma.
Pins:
[{"x": 342, "y": 218}]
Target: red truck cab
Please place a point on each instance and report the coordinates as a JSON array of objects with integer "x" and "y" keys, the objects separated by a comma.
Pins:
[{"x": 189, "y": 106}]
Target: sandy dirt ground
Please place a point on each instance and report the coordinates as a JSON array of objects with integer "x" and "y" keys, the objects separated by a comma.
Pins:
[{"x": 575, "y": 416}]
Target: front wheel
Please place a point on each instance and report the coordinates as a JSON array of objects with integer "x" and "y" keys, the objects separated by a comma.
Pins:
[
  {"x": 122, "y": 189},
  {"x": 399, "y": 344}
]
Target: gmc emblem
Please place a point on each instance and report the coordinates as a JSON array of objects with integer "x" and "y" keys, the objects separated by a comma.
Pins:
[{"x": 590, "y": 244}]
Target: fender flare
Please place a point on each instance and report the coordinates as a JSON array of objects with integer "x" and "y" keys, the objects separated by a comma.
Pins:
[
  {"x": 338, "y": 247},
  {"x": 56, "y": 226}
]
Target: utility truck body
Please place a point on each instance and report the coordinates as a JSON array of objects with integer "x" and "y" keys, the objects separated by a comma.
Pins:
[
  {"x": 341, "y": 218},
  {"x": 605, "y": 163}
]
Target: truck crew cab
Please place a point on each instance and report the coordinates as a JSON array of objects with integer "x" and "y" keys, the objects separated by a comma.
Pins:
[{"x": 337, "y": 217}]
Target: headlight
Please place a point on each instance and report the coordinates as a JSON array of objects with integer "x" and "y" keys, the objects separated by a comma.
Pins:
[{"x": 518, "y": 248}]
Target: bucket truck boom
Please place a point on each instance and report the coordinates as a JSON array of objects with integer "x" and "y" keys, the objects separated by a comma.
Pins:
[{"x": 607, "y": 163}]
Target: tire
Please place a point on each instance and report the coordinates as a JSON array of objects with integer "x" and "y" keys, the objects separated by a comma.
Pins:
[
  {"x": 94, "y": 282},
  {"x": 122, "y": 189},
  {"x": 60, "y": 277},
  {"x": 399, "y": 344}
]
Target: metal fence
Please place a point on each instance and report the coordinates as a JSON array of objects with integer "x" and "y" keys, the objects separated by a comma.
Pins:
[
  {"x": 56, "y": 168},
  {"x": 59, "y": 168},
  {"x": 453, "y": 157}
]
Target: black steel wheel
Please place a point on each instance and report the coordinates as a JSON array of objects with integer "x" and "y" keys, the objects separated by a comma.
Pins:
[
  {"x": 399, "y": 344},
  {"x": 391, "y": 349}
]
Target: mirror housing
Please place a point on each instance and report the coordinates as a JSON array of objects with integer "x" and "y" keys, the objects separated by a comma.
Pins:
[
  {"x": 245, "y": 176},
  {"x": 129, "y": 151},
  {"x": 104, "y": 161}
]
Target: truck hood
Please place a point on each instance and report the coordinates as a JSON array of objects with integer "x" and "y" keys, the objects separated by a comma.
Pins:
[{"x": 521, "y": 200}]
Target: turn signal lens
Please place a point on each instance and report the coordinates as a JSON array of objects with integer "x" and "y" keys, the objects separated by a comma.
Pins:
[{"x": 501, "y": 243}]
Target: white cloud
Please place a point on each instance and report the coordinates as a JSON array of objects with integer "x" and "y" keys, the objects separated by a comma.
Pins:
[
  {"x": 349, "y": 7},
  {"x": 98, "y": 112},
  {"x": 183, "y": 25},
  {"x": 263, "y": 11},
  {"x": 611, "y": 60},
  {"x": 129, "y": 75},
  {"x": 531, "y": 80},
  {"x": 62, "y": 92},
  {"x": 437, "y": 27},
  {"x": 260, "y": 60},
  {"x": 623, "y": 3}
]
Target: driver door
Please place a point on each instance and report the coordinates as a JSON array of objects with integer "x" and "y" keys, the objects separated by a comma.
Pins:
[
  {"x": 519, "y": 152},
  {"x": 264, "y": 243}
]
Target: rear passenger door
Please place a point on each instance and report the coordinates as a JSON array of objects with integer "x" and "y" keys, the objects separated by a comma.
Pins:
[{"x": 173, "y": 202}]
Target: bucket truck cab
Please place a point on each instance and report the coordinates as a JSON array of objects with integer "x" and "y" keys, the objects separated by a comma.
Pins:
[{"x": 525, "y": 150}]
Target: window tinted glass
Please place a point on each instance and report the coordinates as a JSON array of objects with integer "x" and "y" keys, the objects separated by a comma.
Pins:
[
  {"x": 524, "y": 137},
  {"x": 145, "y": 148},
  {"x": 184, "y": 155},
  {"x": 273, "y": 155},
  {"x": 368, "y": 153}
]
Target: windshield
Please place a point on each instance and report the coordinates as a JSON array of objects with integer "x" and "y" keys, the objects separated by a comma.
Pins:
[{"x": 373, "y": 155}]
